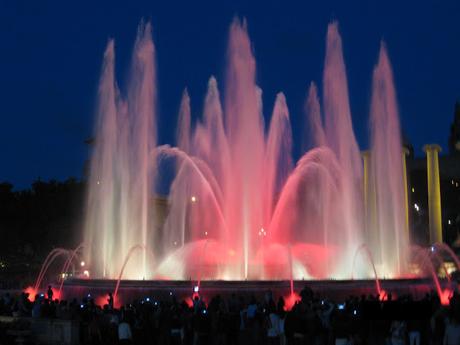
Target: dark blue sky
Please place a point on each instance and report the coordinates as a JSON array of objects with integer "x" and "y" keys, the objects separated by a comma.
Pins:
[{"x": 51, "y": 53}]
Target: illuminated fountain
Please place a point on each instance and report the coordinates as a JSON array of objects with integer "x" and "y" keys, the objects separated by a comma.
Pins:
[{"x": 238, "y": 206}]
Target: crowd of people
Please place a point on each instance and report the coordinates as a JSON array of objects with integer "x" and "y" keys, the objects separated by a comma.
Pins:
[{"x": 244, "y": 319}]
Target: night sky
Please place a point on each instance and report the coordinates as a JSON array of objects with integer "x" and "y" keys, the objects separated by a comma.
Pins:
[{"x": 51, "y": 54}]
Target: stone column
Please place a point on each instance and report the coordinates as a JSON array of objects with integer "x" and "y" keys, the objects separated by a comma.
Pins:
[{"x": 434, "y": 192}]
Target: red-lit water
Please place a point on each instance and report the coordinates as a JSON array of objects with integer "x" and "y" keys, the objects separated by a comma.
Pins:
[{"x": 239, "y": 208}]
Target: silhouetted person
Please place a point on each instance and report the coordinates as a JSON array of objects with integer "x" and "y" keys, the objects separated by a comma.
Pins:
[
  {"x": 110, "y": 300},
  {"x": 452, "y": 333},
  {"x": 273, "y": 325},
  {"x": 124, "y": 333},
  {"x": 50, "y": 293}
]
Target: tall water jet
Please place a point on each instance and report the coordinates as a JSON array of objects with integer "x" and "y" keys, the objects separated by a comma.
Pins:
[
  {"x": 245, "y": 131},
  {"x": 142, "y": 103},
  {"x": 341, "y": 139},
  {"x": 313, "y": 111},
  {"x": 235, "y": 192},
  {"x": 278, "y": 161},
  {"x": 180, "y": 190},
  {"x": 387, "y": 171},
  {"x": 100, "y": 203},
  {"x": 184, "y": 123},
  {"x": 213, "y": 138},
  {"x": 122, "y": 170},
  {"x": 211, "y": 145}
]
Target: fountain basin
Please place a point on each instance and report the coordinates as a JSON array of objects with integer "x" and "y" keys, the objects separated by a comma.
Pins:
[{"x": 336, "y": 290}]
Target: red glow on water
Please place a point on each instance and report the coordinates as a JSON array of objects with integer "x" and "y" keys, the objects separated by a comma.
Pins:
[
  {"x": 104, "y": 299},
  {"x": 291, "y": 300},
  {"x": 101, "y": 300},
  {"x": 32, "y": 293},
  {"x": 445, "y": 296},
  {"x": 383, "y": 296},
  {"x": 117, "y": 301},
  {"x": 189, "y": 302},
  {"x": 56, "y": 294}
]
